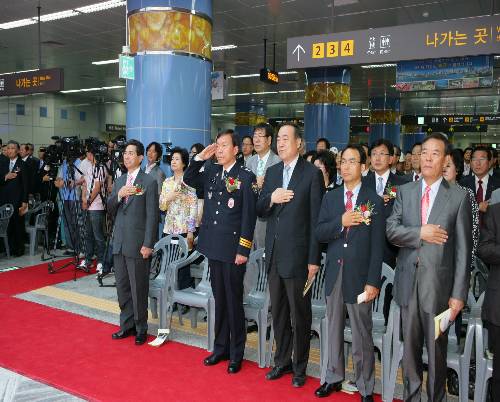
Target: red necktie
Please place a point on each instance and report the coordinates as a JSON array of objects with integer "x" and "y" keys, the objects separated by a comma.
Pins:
[
  {"x": 416, "y": 177},
  {"x": 130, "y": 181},
  {"x": 425, "y": 203},
  {"x": 348, "y": 205},
  {"x": 479, "y": 193}
]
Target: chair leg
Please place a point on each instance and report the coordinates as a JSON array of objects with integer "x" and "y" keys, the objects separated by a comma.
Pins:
[
  {"x": 193, "y": 311},
  {"x": 6, "y": 244},
  {"x": 261, "y": 331},
  {"x": 211, "y": 324},
  {"x": 32, "y": 242},
  {"x": 153, "y": 305},
  {"x": 163, "y": 311},
  {"x": 269, "y": 354}
]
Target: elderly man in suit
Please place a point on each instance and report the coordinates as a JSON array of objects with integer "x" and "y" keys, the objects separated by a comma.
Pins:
[
  {"x": 350, "y": 273},
  {"x": 258, "y": 164},
  {"x": 481, "y": 182},
  {"x": 290, "y": 201},
  {"x": 134, "y": 202},
  {"x": 431, "y": 222},
  {"x": 489, "y": 252}
]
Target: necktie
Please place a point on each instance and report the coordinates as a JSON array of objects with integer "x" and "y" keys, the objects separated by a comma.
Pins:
[
  {"x": 224, "y": 175},
  {"x": 11, "y": 166},
  {"x": 260, "y": 168},
  {"x": 286, "y": 176},
  {"x": 417, "y": 177},
  {"x": 130, "y": 181},
  {"x": 479, "y": 193},
  {"x": 425, "y": 203},
  {"x": 380, "y": 186},
  {"x": 348, "y": 204}
]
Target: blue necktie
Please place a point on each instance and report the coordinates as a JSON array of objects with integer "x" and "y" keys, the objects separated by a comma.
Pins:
[
  {"x": 11, "y": 166},
  {"x": 286, "y": 176},
  {"x": 380, "y": 186}
]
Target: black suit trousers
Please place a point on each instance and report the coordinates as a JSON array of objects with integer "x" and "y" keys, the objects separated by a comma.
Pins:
[
  {"x": 292, "y": 318},
  {"x": 494, "y": 340},
  {"x": 230, "y": 330}
]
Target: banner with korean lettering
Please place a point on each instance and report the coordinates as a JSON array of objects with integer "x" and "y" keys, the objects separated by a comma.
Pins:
[
  {"x": 49, "y": 80},
  {"x": 450, "y": 73}
]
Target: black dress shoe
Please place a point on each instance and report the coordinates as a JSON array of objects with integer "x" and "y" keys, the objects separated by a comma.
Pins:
[
  {"x": 234, "y": 367},
  {"x": 123, "y": 333},
  {"x": 278, "y": 372},
  {"x": 298, "y": 381},
  {"x": 140, "y": 339},
  {"x": 326, "y": 389},
  {"x": 214, "y": 359},
  {"x": 367, "y": 398}
]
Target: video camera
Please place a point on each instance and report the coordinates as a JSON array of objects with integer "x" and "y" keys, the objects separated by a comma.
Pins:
[{"x": 69, "y": 148}]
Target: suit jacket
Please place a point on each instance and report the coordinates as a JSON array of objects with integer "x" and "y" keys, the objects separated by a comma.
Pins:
[
  {"x": 390, "y": 251},
  {"x": 159, "y": 176},
  {"x": 136, "y": 220},
  {"x": 441, "y": 271},
  {"x": 228, "y": 221},
  {"x": 358, "y": 269},
  {"x": 31, "y": 167},
  {"x": 470, "y": 182},
  {"x": 495, "y": 197},
  {"x": 14, "y": 191},
  {"x": 290, "y": 236},
  {"x": 489, "y": 252}
]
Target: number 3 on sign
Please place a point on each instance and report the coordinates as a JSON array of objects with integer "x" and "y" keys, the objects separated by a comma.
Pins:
[
  {"x": 347, "y": 48},
  {"x": 318, "y": 50},
  {"x": 332, "y": 49}
]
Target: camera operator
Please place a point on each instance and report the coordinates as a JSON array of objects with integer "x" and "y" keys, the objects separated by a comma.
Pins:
[{"x": 94, "y": 175}]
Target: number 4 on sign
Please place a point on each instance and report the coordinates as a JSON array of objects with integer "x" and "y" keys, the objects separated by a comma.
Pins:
[{"x": 347, "y": 48}]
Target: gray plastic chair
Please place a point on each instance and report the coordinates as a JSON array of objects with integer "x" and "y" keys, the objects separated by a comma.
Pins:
[
  {"x": 200, "y": 297},
  {"x": 41, "y": 213},
  {"x": 6, "y": 212},
  {"x": 171, "y": 251},
  {"x": 484, "y": 364},
  {"x": 256, "y": 303}
]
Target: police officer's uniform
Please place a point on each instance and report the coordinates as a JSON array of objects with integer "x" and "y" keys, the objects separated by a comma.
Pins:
[{"x": 226, "y": 230}]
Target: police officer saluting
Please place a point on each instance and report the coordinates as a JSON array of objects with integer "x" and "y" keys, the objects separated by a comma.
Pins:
[{"x": 225, "y": 238}]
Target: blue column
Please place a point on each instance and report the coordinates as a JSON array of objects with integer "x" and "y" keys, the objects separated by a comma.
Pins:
[
  {"x": 170, "y": 99},
  {"x": 385, "y": 119},
  {"x": 326, "y": 108},
  {"x": 408, "y": 139},
  {"x": 248, "y": 115}
]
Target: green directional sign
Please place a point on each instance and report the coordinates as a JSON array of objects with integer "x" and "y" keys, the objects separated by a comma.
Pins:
[{"x": 127, "y": 70}]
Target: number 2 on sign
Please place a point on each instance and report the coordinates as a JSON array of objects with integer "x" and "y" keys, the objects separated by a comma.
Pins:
[
  {"x": 332, "y": 49},
  {"x": 347, "y": 48},
  {"x": 318, "y": 50}
]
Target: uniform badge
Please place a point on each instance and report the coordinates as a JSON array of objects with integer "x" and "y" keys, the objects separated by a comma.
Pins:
[
  {"x": 230, "y": 203},
  {"x": 209, "y": 195}
]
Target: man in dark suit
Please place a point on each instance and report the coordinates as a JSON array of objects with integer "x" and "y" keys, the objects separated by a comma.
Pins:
[
  {"x": 480, "y": 182},
  {"x": 431, "y": 222},
  {"x": 290, "y": 201},
  {"x": 489, "y": 252},
  {"x": 415, "y": 174},
  {"x": 226, "y": 235},
  {"x": 134, "y": 202},
  {"x": 31, "y": 166},
  {"x": 383, "y": 181},
  {"x": 352, "y": 279}
]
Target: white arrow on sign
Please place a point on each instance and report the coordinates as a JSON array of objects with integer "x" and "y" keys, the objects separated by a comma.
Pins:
[{"x": 298, "y": 49}]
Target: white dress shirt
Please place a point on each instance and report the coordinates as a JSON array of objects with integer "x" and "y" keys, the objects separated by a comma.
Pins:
[{"x": 432, "y": 194}]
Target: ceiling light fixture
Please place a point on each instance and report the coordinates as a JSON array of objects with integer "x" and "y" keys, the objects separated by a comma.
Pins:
[
  {"x": 98, "y": 63},
  {"x": 292, "y": 91},
  {"x": 258, "y": 75},
  {"x": 242, "y": 94},
  {"x": 69, "y": 91},
  {"x": 223, "y": 47},
  {"x": 105, "y": 5},
  {"x": 386, "y": 65},
  {"x": 20, "y": 71}
]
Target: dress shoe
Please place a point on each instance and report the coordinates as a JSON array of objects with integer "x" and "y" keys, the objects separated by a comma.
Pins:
[
  {"x": 123, "y": 333},
  {"x": 367, "y": 398},
  {"x": 214, "y": 359},
  {"x": 234, "y": 367},
  {"x": 278, "y": 372},
  {"x": 326, "y": 389},
  {"x": 140, "y": 339},
  {"x": 298, "y": 381}
]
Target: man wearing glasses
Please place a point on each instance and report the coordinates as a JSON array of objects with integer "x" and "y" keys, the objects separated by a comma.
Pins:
[{"x": 480, "y": 182}]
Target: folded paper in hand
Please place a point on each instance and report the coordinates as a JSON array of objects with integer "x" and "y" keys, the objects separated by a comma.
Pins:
[
  {"x": 441, "y": 323},
  {"x": 362, "y": 298},
  {"x": 308, "y": 285}
]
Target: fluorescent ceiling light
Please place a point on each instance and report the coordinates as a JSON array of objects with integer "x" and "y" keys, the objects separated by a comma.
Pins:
[
  {"x": 258, "y": 75},
  {"x": 242, "y": 94},
  {"x": 98, "y": 63},
  {"x": 264, "y": 93},
  {"x": 104, "y": 5},
  {"x": 20, "y": 71},
  {"x": 69, "y": 91},
  {"x": 497, "y": 57},
  {"x": 223, "y": 47},
  {"x": 379, "y": 65},
  {"x": 291, "y": 91},
  {"x": 287, "y": 72}
]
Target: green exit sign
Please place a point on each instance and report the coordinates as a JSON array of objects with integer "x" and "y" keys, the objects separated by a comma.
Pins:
[{"x": 127, "y": 70}]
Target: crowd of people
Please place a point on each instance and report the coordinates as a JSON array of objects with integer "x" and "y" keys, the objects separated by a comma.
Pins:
[{"x": 427, "y": 214}]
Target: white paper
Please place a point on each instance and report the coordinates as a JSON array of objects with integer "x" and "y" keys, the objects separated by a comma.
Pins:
[
  {"x": 362, "y": 298},
  {"x": 161, "y": 338}
]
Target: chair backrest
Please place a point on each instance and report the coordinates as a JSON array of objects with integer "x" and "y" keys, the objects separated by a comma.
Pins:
[
  {"x": 478, "y": 278},
  {"x": 6, "y": 212},
  {"x": 205, "y": 285},
  {"x": 387, "y": 278},
  {"x": 256, "y": 260},
  {"x": 169, "y": 249},
  {"x": 318, "y": 286}
]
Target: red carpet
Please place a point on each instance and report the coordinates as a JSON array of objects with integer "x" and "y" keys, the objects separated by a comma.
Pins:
[
  {"x": 76, "y": 354},
  {"x": 35, "y": 277}
]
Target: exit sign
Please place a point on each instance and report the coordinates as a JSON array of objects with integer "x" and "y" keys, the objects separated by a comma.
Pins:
[{"x": 126, "y": 70}]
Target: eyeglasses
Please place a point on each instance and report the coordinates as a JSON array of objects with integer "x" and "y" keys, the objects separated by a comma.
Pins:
[
  {"x": 479, "y": 159},
  {"x": 132, "y": 153},
  {"x": 259, "y": 136},
  {"x": 377, "y": 154},
  {"x": 350, "y": 162}
]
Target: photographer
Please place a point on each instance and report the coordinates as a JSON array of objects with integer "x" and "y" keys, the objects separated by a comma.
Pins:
[{"x": 94, "y": 175}]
